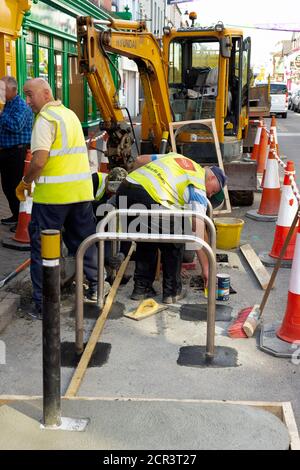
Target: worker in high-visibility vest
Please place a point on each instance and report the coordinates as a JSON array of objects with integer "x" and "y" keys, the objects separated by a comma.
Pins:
[
  {"x": 171, "y": 181},
  {"x": 63, "y": 185}
]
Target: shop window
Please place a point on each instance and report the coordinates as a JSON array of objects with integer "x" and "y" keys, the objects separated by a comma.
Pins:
[
  {"x": 58, "y": 92},
  {"x": 29, "y": 61},
  {"x": 58, "y": 44},
  {"x": 44, "y": 40},
  {"x": 76, "y": 88},
  {"x": 43, "y": 63}
]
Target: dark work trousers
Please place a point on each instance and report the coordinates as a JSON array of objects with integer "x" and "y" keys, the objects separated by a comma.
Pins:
[
  {"x": 146, "y": 253},
  {"x": 124, "y": 246},
  {"x": 78, "y": 221},
  {"x": 12, "y": 168}
]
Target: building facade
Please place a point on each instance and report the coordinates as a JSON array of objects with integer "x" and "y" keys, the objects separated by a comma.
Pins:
[{"x": 47, "y": 48}]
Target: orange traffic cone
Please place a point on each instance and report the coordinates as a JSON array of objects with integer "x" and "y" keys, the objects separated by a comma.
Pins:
[
  {"x": 274, "y": 128},
  {"x": 290, "y": 328},
  {"x": 287, "y": 211},
  {"x": 255, "y": 150},
  {"x": 271, "y": 137},
  {"x": 21, "y": 239},
  {"x": 270, "y": 199},
  {"x": 22, "y": 235},
  {"x": 104, "y": 163},
  {"x": 263, "y": 151}
]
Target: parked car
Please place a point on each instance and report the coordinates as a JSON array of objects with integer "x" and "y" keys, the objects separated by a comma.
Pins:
[{"x": 295, "y": 101}]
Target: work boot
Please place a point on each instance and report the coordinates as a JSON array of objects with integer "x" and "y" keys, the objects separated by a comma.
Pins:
[
  {"x": 91, "y": 294},
  {"x": 142, "y": 292},
  {"x": 34, "y": 312},
  {"x": 173, "y": 299},
  {"x": 10, "y": 220}
]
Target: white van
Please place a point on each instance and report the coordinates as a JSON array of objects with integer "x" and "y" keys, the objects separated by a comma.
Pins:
[{"x": 279, "y": 98}]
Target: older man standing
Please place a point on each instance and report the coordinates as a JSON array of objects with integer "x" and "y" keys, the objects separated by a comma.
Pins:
[
  {"x": 63, "y": 184},
  {"x": 15, "y": 134}
]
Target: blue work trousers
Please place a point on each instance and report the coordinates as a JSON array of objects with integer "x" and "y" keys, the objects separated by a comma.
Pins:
[{"x": 78, "y": 221}]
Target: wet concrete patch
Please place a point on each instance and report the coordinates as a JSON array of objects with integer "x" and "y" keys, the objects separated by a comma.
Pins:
[
  {"x": 69, "y": 358},
  {"x": 92, "y": 311},
  {"x": 194, "y": 356},
  {"x": 222, "y": 258},
  {"x": 198, "y": 312}
]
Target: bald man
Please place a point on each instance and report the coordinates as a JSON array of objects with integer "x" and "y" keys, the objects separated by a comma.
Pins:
[{"x": 63, "y": 184}]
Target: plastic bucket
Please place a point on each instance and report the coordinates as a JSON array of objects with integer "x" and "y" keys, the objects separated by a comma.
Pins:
[{"x": 229, "y": 232}]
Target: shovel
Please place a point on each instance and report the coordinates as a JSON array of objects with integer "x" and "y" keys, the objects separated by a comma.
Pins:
[{"x": 15, "y": 272}]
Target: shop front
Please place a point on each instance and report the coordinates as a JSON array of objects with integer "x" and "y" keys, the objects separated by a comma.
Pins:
[{"x": 48, "y": 49}]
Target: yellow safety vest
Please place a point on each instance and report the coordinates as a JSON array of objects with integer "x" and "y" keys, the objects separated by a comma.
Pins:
[
  {"x": 101, "y": 186},
  {"x": 167, "y": 178},
  {"x": 66, "y": 177}
]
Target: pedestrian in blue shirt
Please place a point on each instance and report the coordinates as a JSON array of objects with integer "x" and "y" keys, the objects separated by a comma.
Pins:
[{"x": 15, "y": 133}]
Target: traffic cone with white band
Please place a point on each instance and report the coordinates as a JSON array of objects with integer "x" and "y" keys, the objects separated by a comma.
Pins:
[
  {"x": 256, "y": 145},
  {"x": 290, "y": 328},
  {"x": 287, "y": 211},
  {"x": 270, "y": 199}
]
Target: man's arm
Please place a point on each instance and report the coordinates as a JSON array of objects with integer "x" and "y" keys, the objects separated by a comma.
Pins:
[
  {"x": 39, "y": 160},
  {"x": 144, "y": 159},
  {"x": 16, "y": 119},
  {"x": 198, "y": 227}
]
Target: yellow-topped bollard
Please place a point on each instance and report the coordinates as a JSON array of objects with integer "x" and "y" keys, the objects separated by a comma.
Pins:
[{"x": 50, "y": 240}]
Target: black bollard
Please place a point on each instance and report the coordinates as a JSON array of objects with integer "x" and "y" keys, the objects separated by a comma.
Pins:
[{"x": 51, "y": 328}]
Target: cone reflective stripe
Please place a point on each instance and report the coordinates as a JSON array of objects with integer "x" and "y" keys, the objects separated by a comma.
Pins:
[
  {"x": 263, "y": 151},
  {"x": 255, "y": 150},
  {"x": 270, "y": 199},
  {"x": 290, "y": 327},
  {"x": 287, "y": 211},
  {"x": 274, "y": 129},
  {"x": 104, "y": 163}
]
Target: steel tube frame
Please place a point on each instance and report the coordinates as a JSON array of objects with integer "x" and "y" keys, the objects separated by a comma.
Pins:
[{"x": 102, "y": 236}]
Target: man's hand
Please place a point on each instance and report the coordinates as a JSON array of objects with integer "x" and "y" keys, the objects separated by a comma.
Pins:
[{"x": 21, "y": 188}]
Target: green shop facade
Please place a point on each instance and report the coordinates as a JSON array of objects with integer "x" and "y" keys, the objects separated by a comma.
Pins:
[{"x": 47, "y": 48}]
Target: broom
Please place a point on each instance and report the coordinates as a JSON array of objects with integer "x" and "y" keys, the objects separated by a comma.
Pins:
[{"x": 248, "y": 318}]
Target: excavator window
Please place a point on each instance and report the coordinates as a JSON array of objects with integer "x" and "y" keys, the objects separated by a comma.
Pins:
[{"x": 196, "y": 62}]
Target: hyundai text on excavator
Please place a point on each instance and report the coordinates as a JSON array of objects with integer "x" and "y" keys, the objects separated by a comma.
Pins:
[{"x": 193, "y": 73}]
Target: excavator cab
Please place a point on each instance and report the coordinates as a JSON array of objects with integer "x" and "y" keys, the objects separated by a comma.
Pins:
[{"x": 208, "y": 79}]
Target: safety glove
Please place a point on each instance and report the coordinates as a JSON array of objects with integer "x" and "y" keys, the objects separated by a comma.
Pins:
[{"x": 21, "y": 188}]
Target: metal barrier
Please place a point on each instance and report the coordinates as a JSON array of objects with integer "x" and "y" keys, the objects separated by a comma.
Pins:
[{"x": 101, "y": 236}]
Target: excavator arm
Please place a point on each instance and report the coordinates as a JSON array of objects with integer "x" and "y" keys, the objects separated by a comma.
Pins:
[{"x": 134, "y": 42}]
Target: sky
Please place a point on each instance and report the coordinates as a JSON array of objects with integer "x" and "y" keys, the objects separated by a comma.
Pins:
[{"x": 241, "y": 13}]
